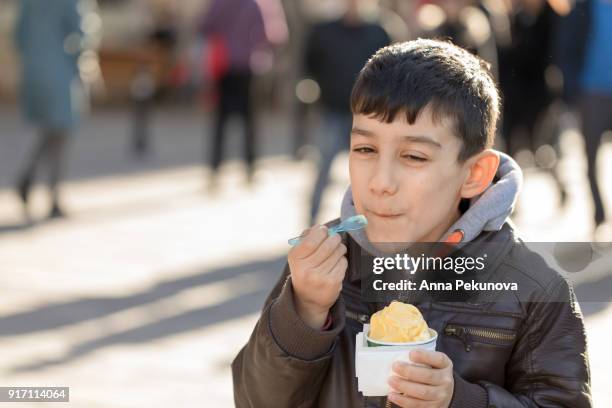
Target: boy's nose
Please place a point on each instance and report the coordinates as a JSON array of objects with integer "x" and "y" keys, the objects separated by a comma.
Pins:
[{"x": 383, "y": 181}]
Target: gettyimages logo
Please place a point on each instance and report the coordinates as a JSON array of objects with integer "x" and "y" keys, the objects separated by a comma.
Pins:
[
  {"x": 411, "y": 264},
  {"x": 487, "y": 271}
]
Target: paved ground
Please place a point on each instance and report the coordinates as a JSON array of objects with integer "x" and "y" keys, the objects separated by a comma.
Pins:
[{"x": 144, "y": 295}]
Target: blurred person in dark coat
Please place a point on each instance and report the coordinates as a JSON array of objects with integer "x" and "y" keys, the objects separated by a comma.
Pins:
[
  {"x": 467, "y": 23},
  {"x": 522, "y": 72},
  {"x": 335, "y": 53},
  {"x": 48, "y": 38},
  {"x": 240, "y": 36},
  {"x": 527, "y": 68}
]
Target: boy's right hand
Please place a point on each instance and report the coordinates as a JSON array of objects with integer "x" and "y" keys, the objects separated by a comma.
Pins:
[{"x": 318, "y": 266}]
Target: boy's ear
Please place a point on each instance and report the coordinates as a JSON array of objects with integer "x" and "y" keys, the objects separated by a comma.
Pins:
[{"x": 481, "y": 170}]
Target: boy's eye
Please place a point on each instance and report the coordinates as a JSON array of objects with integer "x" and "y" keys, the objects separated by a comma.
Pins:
[
  {"x": 415, "y": 158},
  {"x": 363, "y": 150}
]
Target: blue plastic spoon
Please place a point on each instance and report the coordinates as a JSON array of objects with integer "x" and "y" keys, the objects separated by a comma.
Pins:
[{"x": 350, "y": 224}]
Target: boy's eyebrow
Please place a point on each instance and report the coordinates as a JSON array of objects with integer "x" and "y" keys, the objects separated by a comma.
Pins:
[{"x": 416, "y": 139}]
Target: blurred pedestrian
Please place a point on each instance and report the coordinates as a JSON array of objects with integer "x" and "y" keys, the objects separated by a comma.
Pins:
[
  {"x": 570, "y": 37},
  {"x": 530, "y": 80},
  {"x": 596, "y": 100},
  {"x": 522, "y": 73},
  {"x": 49, "y": 38},
  {"x": 335, "y": 53},
  {"x": 152, "y": 78},
  {"x": 467, "y": 23},
  {"x": 239, "y": 46}
]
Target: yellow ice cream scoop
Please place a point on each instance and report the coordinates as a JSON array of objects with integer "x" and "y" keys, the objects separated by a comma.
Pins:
[{"x": 398, "y": 323}]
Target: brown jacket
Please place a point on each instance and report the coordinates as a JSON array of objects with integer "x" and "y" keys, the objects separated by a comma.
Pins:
[{"x": 507, "y": 353}]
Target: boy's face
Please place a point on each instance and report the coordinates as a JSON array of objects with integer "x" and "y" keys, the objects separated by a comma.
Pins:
[{"x": 405, "y": 178}]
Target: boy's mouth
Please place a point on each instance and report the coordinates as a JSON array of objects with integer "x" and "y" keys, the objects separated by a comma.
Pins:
[{"x": 385, "y": 215}]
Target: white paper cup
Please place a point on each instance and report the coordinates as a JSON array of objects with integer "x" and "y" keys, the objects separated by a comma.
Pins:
[{"x": 373, "y": 364}]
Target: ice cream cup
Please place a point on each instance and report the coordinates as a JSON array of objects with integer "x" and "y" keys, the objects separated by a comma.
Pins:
[
  {"x": 373, "y": 363},
  {"x": 425, "y": 344}
]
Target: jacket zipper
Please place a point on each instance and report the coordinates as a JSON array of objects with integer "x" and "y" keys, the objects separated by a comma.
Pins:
[
  {"x": 466, "y": 333},
  {"x": 387, "y": 404}
]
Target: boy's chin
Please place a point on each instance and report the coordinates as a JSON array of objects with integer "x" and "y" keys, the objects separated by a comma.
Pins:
[
  {"x": 390, "y": 247},
  {"x": 386, "y": 239}
]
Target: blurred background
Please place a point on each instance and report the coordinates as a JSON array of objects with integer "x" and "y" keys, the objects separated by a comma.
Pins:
[{"x": 156, "y": 155}]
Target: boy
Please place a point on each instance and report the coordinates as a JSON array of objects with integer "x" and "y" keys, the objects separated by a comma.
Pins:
[{"x": 421, "y": 170}]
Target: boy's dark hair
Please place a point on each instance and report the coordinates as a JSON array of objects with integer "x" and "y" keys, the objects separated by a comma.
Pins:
[{"x": 409, "y": 76}]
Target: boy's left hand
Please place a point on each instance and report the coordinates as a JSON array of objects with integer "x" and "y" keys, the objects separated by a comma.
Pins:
[{"x": 416, "y": 386}]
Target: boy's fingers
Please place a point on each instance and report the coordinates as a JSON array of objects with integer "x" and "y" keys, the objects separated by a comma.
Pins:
[
  {"x": 411, "y": 389},
  {"x": 339, "y": 269},
  {"x": 331, "y": 260},
  {"x": 434, "y": 359},
  {"x": 326, "y": 250},
  {"x": 309, "y": 244},
  {"x": 423, "y": 375}
]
